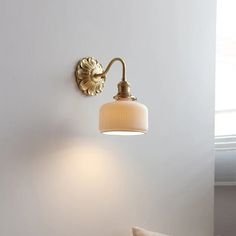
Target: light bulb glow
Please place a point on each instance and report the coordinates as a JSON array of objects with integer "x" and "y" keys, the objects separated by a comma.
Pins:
[{"x": 124, "y": 133}]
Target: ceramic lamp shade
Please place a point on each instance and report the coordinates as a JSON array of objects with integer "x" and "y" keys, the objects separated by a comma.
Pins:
[{"x": 123, "y": 117}]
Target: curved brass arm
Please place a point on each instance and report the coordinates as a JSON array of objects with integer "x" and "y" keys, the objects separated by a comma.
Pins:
[
  {"x": 109, "y": 66},
  {"x": 90, "y": 78}
]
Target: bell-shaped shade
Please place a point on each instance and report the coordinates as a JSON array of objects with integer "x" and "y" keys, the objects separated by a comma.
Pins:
[{"x": 123, "y": 117}]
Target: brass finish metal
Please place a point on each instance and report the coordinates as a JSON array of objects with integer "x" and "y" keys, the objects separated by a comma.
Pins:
[
  {"x": 85, "y": 72},
  {"x": 110, "y": 64},
  {"x": 90, "y": 78},
  {"x": 124, "y": 91}
]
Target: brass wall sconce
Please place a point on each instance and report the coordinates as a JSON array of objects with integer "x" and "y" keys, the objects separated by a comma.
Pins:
[{"x": 124, "y": 116}]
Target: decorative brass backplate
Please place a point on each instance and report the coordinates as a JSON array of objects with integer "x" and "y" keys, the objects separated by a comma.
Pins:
[{"x": 85, "y": 72}]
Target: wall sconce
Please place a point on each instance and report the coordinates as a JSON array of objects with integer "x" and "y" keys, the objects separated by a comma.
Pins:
[{"x": 124, "y": 116}]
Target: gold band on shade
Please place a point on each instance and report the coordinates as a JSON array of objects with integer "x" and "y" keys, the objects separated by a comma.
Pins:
[{"x": 123, "y": 117}]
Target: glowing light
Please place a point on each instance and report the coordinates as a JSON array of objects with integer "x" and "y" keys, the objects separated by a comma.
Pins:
[{"x": 123, "y": 133}]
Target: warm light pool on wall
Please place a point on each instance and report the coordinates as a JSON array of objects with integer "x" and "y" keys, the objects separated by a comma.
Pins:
[{"x": 124, "y": 116}]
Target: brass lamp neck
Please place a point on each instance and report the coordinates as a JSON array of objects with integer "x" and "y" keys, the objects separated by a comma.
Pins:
[
  {"x": 123, "y": 86},
  {"x": 90, "y": 78},
  {"x": 109, "y": 66},
  {"x": 124, "y": 91}
]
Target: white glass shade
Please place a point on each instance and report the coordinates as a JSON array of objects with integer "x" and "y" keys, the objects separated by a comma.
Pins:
[{"x": 123, "y": 117}]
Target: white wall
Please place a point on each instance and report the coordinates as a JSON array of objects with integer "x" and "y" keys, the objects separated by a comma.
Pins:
[
  {"x": 225, "y": 166},
  {"x": 225, "y": 211},
  {"x": 58, "y": 175}
]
